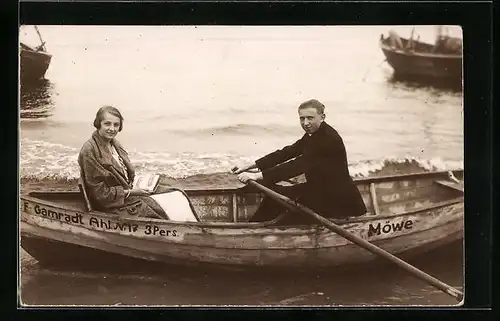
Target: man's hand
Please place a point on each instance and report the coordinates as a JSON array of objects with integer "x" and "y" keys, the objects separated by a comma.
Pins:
[
  {"x": 238, "y": 170},
  {"x": 244, "y": 177}
]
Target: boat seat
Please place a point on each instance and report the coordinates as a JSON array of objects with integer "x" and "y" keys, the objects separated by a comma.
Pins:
[{"x": 450, "y": 184}]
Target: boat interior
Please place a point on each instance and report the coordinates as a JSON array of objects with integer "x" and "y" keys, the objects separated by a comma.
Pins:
[
  {"x": 445, "y": 45},
  {"x": 26, "y": 47},
  {"x": 384, "y": 197}
]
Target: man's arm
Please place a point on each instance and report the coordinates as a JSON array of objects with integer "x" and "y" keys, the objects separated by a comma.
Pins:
[
  {"x": 323, "y": 161},
  {"x": 280, "y": 156},
  {"x": 285, "y": 170}
]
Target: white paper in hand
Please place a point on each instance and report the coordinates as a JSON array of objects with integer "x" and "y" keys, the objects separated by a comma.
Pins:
[{"x": 148, "y": 182}]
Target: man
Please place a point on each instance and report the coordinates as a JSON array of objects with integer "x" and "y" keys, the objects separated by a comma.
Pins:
[{"x": 320, "y": 155}]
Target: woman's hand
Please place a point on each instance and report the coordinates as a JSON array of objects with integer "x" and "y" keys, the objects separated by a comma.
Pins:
[{"x": 138, "y": 192}]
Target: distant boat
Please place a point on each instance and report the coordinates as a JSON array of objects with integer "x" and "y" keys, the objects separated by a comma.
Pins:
[
  {"x": 415, "y": 59},
  {"x": 34, "y": 62}
]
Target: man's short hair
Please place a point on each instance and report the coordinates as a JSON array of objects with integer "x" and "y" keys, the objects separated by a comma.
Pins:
[{"x": 313, "y": 103}]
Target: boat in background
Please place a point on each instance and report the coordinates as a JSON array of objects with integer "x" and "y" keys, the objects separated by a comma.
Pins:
[
  {"x": 407, "y": 213},
  {"x": 34, "y": 61},
  {"x": 416, "y": 60}
]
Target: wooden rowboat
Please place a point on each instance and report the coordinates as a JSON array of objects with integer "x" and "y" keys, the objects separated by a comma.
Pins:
[{"x": 406, "y": 213}]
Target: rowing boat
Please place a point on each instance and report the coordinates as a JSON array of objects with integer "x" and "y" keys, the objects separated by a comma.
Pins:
[{"x": 406, "y": 213}]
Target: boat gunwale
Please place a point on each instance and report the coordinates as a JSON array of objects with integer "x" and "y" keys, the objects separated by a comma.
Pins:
[
  {"x": 395, "y": 177},
  {"x": 357, "y": 181},
  {"x": 33, "y": 50}
]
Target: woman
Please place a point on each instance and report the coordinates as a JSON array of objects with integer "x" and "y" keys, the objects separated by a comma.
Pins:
[{"x": 108, "y": 174}]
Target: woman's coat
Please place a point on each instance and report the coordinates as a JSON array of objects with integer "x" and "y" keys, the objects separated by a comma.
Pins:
[{"x": 105, "y": 180}]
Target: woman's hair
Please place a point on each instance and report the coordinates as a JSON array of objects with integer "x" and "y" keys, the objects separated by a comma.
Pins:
[
  {"x": 107, "y": 109},
  {"x": 313, "y": 103}
]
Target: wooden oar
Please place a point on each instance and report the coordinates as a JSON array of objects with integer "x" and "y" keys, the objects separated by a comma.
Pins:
[{"x": 361, "y": 242}]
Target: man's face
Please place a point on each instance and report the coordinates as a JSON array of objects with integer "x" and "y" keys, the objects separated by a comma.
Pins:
[{"x": 310, "y": 120}]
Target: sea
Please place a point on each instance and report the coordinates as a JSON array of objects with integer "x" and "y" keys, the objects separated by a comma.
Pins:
[{"x": 199, "y": 100}]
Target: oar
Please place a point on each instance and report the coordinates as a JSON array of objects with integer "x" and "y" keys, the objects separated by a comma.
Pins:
[{"x": 359, "y": 241}]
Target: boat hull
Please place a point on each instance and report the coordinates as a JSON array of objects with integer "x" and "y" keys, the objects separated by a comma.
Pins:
[
  {"x": 33, "y": 65},
  {"x": 414, "y": 64},
  {"x": 261, "y": 247},
  {"x": 49, "y": 252}
]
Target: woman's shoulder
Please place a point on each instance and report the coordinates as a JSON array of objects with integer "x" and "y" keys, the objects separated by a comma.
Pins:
[{"x": 88, "y": 146}]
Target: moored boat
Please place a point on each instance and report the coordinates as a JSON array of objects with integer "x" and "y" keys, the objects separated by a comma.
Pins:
[
  {"x": 34, "y": 62},
  {"x": 409, "y": 212},
  {"x": 414, "y": 59}
]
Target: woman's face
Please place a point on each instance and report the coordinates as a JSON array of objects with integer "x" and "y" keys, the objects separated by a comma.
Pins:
[{"x": 110, "y": 125}]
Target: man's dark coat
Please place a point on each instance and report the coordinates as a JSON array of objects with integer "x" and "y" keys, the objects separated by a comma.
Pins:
[{"x": 329, "y": 189}]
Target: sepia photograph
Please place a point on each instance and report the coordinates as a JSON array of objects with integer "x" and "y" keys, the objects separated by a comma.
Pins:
[{"x": 263, "y": 166}]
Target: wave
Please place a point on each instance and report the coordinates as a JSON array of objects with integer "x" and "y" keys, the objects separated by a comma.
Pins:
[
  {"x": 407, "y": 164},
  {"x": 46, "y": 161},
  {"x": 239, "y": 130}
]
